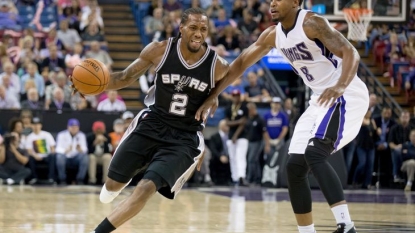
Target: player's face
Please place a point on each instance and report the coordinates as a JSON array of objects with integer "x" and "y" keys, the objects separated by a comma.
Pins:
[
  {"x": 280, "y": 8},
  {"x": 194, "y": 32}
]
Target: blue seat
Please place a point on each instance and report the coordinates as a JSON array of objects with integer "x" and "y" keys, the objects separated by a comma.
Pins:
[
  {"x": 24, "y": 10},
  {"x": 319, "y": 9}
]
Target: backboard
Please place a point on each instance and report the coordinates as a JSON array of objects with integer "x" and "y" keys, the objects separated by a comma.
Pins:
[{"x": 383, "y": 10}]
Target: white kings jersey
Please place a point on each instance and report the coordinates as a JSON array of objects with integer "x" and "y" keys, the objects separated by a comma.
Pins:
[{"x": 317, "y": 66}]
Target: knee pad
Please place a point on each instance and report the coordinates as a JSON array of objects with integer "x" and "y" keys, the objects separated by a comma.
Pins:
[
  {"x": 318, "y": 150},
  {"x": 297, "y": 168},
  {"x": 156, "y": 178}
]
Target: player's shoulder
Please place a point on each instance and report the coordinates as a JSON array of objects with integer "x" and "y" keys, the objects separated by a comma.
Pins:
[
  {"x": 155, "y": 48},
  {"x": 314, "y": 23}
]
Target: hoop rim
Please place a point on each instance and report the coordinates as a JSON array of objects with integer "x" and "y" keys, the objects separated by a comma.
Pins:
[{"x": 354, "y": 14}]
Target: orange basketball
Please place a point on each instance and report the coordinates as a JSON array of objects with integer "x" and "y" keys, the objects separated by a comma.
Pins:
[{"x": 90, "y": 77}]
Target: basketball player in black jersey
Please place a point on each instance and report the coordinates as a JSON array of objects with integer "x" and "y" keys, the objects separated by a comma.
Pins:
[{"x": 165, "y": 141}]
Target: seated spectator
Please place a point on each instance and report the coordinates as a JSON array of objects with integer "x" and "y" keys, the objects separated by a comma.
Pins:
[
  {"x": 172, "y": 5},
  {"x": 40, "y": 145},
  {"x": 79, "y": 103},
  {"x": 74, "y": 58},
  {"x": 29, "y": 49},
  {"x": 69, "y": 37},
  {"x": 8, "y": 101},
  {"x": 10, "y": 90},
  {"x": 101, "y": 55},
  {"x": 212, "y": 10},
  {"x": 92, "y": 33},
  {"x": 8, "y": 18},
  {"x": 127, "y": 117},
  {"x": 12, "y": 160},
  {"x": 58, "y": 102},
  {"x": 227, "y": 93},
  {"x": 8, "y": 70},
  {"x": 51, "y": 39},
  {"x": 53, "y": 62},
  {"x": 222, "y": 21},
  {"x": 111, "y": 104},
  {"x": 248, "y": 26},
  {"x": 32, "y": 102},
  {"x": 91, "y": 18},
  {"x": 408, "y": 157},
  {"x": 230, "y": 40},
  {"x": 99, "y": 148},
  {"x": 61, "y": 83},
  {"x": 117, "y": 134},
  {"x": 237, "y": 10},
  {"x": 255, "y": 92},
  {"x": 32, "y": 74},
  {"x": 167, "y": 32},
  {"x": 70, "y": 13},
  {"x": 30, "y": 83},
  {"x": 71, "y": 149},
  {"x": 154, "y": 23}
]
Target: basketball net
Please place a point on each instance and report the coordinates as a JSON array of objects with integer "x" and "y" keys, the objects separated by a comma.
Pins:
[{"x": 358, "y": 20}]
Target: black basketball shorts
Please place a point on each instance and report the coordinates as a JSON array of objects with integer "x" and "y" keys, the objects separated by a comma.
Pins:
[{"x": 150, "y": 145}]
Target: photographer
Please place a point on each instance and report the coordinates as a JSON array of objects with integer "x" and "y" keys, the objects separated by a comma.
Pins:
[{"x": 12, "y": 160}]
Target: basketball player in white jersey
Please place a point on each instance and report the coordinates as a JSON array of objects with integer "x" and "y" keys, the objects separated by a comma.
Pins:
[{"x": 327, "y": 63}]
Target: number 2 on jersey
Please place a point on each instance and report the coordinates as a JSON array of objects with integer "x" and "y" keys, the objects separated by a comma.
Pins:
[{"x": 179, "y": 103}]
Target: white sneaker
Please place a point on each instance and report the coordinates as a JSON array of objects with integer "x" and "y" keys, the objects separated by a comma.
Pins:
[{"x": 10, "y": 181}]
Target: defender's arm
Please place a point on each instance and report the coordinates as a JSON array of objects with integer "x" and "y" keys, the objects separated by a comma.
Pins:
[
  {"x": 317, "y": 27},
  {"x": 247, "y": 58},
  {"x": 134, "y": 71}
]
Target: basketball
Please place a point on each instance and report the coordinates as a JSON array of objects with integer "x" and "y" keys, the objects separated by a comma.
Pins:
[{"x": 90, "y": 77}]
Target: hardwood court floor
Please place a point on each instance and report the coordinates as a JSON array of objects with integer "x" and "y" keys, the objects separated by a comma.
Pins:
[{"x": 76, "y": 209}]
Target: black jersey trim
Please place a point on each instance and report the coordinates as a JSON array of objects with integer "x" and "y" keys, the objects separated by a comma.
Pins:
[
  {"x": 189, "y": 67},
  {"x": 212, "y": 71},
  {"x": 165, "y": 55}
]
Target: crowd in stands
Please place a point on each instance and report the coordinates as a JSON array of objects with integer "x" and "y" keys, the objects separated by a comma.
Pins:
[{"x": 41, "y": 43}]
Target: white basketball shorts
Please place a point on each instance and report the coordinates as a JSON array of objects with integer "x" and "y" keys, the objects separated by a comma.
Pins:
[{"x": 341, "y": 122}]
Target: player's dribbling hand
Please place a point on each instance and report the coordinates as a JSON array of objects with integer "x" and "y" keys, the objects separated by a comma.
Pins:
[
  {"x": 329, "y": 96},
  {"x": 210, "y": 104},
  {"x": 74, "y": 90}
]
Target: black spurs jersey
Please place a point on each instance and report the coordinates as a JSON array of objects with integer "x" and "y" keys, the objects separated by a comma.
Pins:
[{"x": 179, "y": 88}]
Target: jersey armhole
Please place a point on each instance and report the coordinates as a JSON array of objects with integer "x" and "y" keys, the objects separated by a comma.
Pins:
[
  {"x": 165, "y": 55},
  {"x": 212, "y": 71}
]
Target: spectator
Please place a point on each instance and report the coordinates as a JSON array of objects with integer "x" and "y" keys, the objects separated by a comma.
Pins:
[
  {"x": 71, "y": 149},
  {"x": 32, "y": 74},
  {"x": 112, "y": 104},
  {"x": 248, "y": 26},
  {"x": 277, "y": 124},
  {"x": 237, "y": 10},
  {"x": 293, "y": 115},
  {"x": 236, "y": 117},
  {"x": 69, "y": 37},
  {"x": 8, "y": 101},
  {"x": 117, "y": 134},
  {"x": 32, "y": 102},
  {"x": 99, "y": 149},
  {"x": 365, "y": 152},
  {"x": 101, "y": 55},
  {"x": 373, "y": 106},
  {"x": 230, "y": 40},
  {"x": 8, "y": 18},
  {"x": 10, "y": 90},
  {"x": 40, "y": 146},
  {"x": 92, "y": 34},
  {"x": 26, "y": 118},
  {"x": 220, "y": 170},
  {"x": 172, "y": 5},
  {"x": 51, "y": 39},
  {"x": 30, "y": 83},
  {"x": 154, "y": 23},
  {"x": 12, "y": 160},
  {"x": 80, "y": 103},
  {"x": 167, "y": 32},
  {"x": 222, "y": 21},
  {"x": 58, "y": 102},
  {"x": 53, "y": 62},
  {"x": 90, "y": 18},
  {"x": 74, "y": 58},
  {"x": 399, "y": 134},
  {"x": 258, "y": 142},
  {"x": 408, "y": 157},
  {"x": 212, "y": 10},
  {"x": 127, "y": 117},
  {"x": 8, "y": 69},
  {"x": 255, "y": 92},
  {"x": 61, "y": 83},
  {"x": 236, "y": 85}
]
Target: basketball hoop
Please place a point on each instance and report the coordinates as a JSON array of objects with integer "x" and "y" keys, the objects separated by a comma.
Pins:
[{"x": 358, "y": 20}]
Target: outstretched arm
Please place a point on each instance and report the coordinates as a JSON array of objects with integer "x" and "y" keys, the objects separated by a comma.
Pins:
[
  {"x": 247, "y": 58},
  {"x": 318, "y": 28},
  {"x": 147, "y": 58}
]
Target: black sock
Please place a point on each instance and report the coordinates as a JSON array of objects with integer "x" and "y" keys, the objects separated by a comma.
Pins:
[{"x": 104, "y": 227}]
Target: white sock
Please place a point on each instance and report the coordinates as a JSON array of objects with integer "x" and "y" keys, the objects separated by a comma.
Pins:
[
  {"x": 108, "y": 196},
  {"x": 409, "y": 183},
  {"x": 10, "y": 181},
  {"x": 341, "y": 213},
  {"x": 306, "y": 229},
  {"x": 208, "y": 178}
]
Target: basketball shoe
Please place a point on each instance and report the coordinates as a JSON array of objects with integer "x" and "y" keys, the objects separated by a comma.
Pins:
[{"x": 343, "y": 228}]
